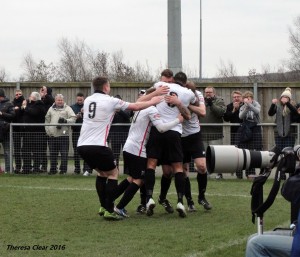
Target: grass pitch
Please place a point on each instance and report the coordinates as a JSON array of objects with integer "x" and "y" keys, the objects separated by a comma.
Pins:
[{"x": 58, "y": 216}]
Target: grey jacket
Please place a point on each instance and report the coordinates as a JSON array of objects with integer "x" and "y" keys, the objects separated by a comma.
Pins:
[{"x": 250, "y": 112}]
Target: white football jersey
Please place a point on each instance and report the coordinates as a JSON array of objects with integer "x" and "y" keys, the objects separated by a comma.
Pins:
[
  {"x": 139, "y": 131},
  {"x": 98, "y": 112},
  {"x": 192, "y": 126},
  {"x": 169, "y": 113}
]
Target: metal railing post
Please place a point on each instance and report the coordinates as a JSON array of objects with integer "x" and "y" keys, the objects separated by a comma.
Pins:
[{"x": 10, "y": 148}]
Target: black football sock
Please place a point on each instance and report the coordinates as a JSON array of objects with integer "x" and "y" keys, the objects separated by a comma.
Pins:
[
  {"x": 128, "y": 195},
  {"x": 188, "y": 193},
  {"x": 180, "y": 185},
  {"x": 122, "y": 187},
  {"x": 202, "y": 183},
  {"x": 110, "y": 191},
  {"x": 165, "y": 184},
  {"x": 149, "y": 182},
  {"x": 100, "y": 187},
  {"x": 143, "y": 194}
]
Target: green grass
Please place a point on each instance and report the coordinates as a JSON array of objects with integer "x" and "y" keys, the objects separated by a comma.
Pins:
[{"x": 62, "y": 210}]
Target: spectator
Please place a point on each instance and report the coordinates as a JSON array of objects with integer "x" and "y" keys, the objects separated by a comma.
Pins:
[
  {"x": 78, "y": 110},
  {"x": 118, "y": 133},
  {"x": 232, "y": 115},
  {"x": 59, "y": 135},
  {"x": 286, "y": 112},
  {"x": 215, "y": 109},
  {"x": 7, "y": 113},
  {"x": 250, "y": 114},
  {"x": 17, "y": 130},
  {"x": 48, "y": 100},
  {"x": 33, "y": 111}
]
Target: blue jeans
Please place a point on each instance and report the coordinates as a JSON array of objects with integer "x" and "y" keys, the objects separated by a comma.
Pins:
[{"x": 269, "y": 245}]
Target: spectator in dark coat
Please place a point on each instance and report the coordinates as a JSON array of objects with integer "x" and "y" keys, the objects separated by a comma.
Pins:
[
  {"x": 7, "y": 113},
  {"x": 232, "y": 115},
  {"x": 48, "y": 100},
  {"x": 17, "y": 130},
  {"x": 33, "y": 112}
]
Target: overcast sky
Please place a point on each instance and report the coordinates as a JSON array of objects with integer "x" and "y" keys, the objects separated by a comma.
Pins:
[{"x": 248, "y": 33}]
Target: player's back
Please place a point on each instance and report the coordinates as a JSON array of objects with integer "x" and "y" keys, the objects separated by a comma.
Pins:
[{"x": 169, "y": 112}]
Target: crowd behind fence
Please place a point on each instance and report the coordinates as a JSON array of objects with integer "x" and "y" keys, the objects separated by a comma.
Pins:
[{"x": 33, "y": 149}]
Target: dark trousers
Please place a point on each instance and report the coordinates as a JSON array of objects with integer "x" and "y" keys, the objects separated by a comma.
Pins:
[
  {"x": 44, "y": 139},
  {"x": 17, "y": 141},
  {"x": 59, "y": 145},
  {"x": 32, "y": 151},
  {"x": 6, "y": 150}
]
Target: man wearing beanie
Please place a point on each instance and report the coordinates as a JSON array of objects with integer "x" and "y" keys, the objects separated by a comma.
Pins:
[{"x": 7, "y": 113}]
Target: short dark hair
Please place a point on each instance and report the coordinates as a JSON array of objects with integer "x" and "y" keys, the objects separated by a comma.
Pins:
[
  {"x": 99, "y": 82},
  {"x": 180, "y": 77},
  {"x": 80, "y": 94},
  {"x": 167, "y": 73}
]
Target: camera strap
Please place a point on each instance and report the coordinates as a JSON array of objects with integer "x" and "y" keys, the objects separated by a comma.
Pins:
[{"x": 258, "y": 206}]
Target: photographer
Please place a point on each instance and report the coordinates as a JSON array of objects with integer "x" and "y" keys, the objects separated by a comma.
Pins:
[
  {"x": 276, "y": 244},
  {"x": 59, "y": 135}
]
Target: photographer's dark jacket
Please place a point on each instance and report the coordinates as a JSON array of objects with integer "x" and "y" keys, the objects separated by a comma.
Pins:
[
  {"x": 214, "y": 114},
  {"x": 34, "y": 112}
]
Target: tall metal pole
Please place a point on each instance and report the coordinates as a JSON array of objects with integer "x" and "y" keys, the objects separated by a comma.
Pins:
[
  {"x": 200, "y": 50},
  {"x": 174, "y": 36}
]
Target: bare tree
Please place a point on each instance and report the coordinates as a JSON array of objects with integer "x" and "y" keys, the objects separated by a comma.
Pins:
[
  {"x": 227, "y": 72},
  {"x": 73, "y": 65},
  {"x": 29, "y": 66},
  {"x": 38, "y": 72},
  {"x": 143, "y": 73},
  {"x": 294, "y": 37},
  {"x": 3, "y": 75},
  {"x": 119, "y": 70},
  {"x": 99, "y": 62}
]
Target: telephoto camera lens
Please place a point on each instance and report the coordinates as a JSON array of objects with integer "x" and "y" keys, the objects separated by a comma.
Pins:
[{"x": 230, "y": 159}]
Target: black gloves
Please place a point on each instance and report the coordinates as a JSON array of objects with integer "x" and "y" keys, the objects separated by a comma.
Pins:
[
  {"x": 209, "y": 101},
  {"x": 61, "y": 120}
]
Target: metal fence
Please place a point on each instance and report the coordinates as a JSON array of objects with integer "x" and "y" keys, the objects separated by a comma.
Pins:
[{"x": 35, "y": 152}]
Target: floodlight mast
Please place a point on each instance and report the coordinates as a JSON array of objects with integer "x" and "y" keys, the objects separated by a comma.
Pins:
[
  {"x": 200, "y": 48},
  {"x": 174, "y": 36}
]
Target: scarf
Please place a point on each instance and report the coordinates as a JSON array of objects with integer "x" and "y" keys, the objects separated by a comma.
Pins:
[{"x": 283, "y": 120}]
